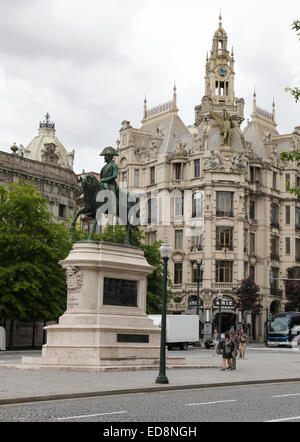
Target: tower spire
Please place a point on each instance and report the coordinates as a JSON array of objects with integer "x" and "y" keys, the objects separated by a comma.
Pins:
[
  {"x": 174, "y": 96},
  {"x": 254, "y": 102},
  {"x": 145, "y": 107},
  {"x": 220, "y": 19}
]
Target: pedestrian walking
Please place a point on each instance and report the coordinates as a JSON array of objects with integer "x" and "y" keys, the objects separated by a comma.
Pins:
[
  {"x": 243, "y": 341},
  {"x": 227, "y": 348},
  {"x": 216, "y": 341},
  {"x": 234, "y": 337}
]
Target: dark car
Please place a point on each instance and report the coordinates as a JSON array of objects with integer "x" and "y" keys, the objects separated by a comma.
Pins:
[{"x": 209, "y": 343}]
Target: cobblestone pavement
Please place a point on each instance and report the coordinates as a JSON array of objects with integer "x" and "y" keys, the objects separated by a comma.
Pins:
[{"x": 260, "y": 365}]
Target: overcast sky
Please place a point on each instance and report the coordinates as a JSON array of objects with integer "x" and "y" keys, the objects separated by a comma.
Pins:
[{"x": 89, "y": 64}]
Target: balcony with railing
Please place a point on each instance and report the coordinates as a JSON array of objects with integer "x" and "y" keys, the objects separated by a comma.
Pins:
[{"x": 276, "y": 292}]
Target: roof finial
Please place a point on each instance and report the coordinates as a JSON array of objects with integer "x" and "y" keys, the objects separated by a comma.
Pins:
[
  {"x": 273, "y": 110},
  {"x": 220, "y": 19},
  {"x": 145, "y": 106},
  {"x": 254, "y": 102},
  {"x": 174, "y": 96}
]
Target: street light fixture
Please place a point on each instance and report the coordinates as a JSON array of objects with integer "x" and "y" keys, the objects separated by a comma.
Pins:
[
  {"x": 220, "y": 297},
  {"x": 197, "y": 269},
  {"x": 165, "y": 253}
]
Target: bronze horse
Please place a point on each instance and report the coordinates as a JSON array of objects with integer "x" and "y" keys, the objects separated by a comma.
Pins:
[{"x": 90, "y": 187}]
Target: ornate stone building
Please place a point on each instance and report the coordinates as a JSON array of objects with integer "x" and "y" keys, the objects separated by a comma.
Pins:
[
  {"x": 232, "y": 208},
  {"x": 46, "y": 163}
]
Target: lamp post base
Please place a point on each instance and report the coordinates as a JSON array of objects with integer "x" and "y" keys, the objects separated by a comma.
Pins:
[{"x": 162, "y": 380}]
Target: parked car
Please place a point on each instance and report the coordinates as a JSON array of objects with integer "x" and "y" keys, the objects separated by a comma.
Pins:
[{"x": 209, "y": 343}]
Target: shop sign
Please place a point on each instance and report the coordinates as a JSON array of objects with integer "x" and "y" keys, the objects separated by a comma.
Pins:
[{"x": 227, "y": 303}]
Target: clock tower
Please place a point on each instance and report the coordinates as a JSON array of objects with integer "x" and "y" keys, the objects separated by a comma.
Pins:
[
  {"x": 219, "y": 70},
  {"x": 219, "y": 81}
]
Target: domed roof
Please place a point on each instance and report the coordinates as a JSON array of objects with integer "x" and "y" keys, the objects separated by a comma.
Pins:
[{"x": 46, "y": 135}]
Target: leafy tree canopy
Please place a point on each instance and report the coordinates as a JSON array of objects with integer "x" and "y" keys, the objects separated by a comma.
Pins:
[
  {"x": 248, "y": 296},
  {"x": 295, "y": 92},
  {"x": 32, "y": 282}
]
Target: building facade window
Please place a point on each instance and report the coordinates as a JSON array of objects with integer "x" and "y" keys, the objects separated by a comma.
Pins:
[
  {"x": 152, "y": 211},
  {"x": 274, "y": 215},
  {"x": 62, "y": 211},
  {"x": 297, "y": 218},
  {"x": 225, "y": 204},
  {"x": 287, "y": 215},
  {"x": 178, "y": 171},
  {"x": 178, "y": 239},
  {"x": 252, "y": 242},
  {"x": 274, "y": 281},
  {"x": 136, "y": 177},
  {"x": 297, "y": 249},
  {"x": 152, "y": 175},
  {"x": 287, "y": 245},
  {"x": 195, "y": 274},
  {"x": 150, "y": 238},
  {"x": 274, "y": 181},
  {"x": 197, "y": 205},
  {"x": 124, "y": 178},
  {"x": 252, "y": 209},
  {"x": 197, "y": 239},
  {"x": 224, "y": 238},
  {"x": 287, "y": 182},
  {"x": 178, "y": 206},
  {"x": 224, "y": 271},
  {"x": 178, "y": 273},
  {"x": 197, "y": 168},
  {"x": 274, "y": 247},
  {"x": 252, "y": 273}
]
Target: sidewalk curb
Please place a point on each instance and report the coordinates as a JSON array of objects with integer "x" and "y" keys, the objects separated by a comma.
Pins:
[{"x": 166, "y": 387}]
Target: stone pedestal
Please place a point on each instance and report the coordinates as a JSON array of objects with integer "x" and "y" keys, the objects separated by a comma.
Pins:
[{"x": 105, "y": 324}]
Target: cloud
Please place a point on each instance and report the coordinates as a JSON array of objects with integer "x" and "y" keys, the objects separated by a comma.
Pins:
[{"x": 89, "y": 64}]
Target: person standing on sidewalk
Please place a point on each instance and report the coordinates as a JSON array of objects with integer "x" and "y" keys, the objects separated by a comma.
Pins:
[
  {"x": 227, "y": 349},
  {"x": 216, "y": 341},
  {"x": 243, "y": 340},
  {"x": 234, "y": 337}
]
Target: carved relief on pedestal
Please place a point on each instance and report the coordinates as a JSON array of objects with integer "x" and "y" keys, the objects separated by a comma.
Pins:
[{"x": 74, "y": 284}]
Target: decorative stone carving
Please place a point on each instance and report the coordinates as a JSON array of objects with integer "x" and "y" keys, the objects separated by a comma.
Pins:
[
  {"x": 180, "y": 149},
  {"x": 125, "y": 125},
  {"x": 49, "y": 153},
  {"x": 74, "y": 284},
  {"x": 214, "y": 162},
  {"x": 139, "y": 153},
  {"x": 239, "y": 163}
]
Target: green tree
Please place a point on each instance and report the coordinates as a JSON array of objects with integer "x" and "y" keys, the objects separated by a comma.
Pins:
[
  {"x": 292, "y": 292},
  {"x": 152, "y": 254},
  {"x": 248, "y": 297},
  {"x": 32, "y": 282},
  {"x": 295, "y": 92}
]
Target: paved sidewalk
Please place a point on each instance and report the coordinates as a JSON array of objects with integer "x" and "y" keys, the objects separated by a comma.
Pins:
[{"x": 260, "y": 365}]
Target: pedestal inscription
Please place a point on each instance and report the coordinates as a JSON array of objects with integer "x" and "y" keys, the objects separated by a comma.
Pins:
[{"x": 120, "y": 292}]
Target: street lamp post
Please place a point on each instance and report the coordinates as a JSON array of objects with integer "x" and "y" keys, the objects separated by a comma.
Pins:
[
  {"x": 165, "y": 253},
  {"x": 197, "y": 269},
  {"x": 220, "y": 297}
]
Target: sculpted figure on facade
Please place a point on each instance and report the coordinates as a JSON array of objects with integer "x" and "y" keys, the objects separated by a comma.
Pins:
[
  {"x": 213, "y": 162},
  {"x": 239, "y": 163}
]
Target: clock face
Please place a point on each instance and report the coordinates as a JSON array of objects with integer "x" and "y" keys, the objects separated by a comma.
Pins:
[{"x": 222, "y": 71}]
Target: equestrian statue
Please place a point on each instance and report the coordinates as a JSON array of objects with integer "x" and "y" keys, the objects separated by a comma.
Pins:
[{"x": 117, "y": 202}]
